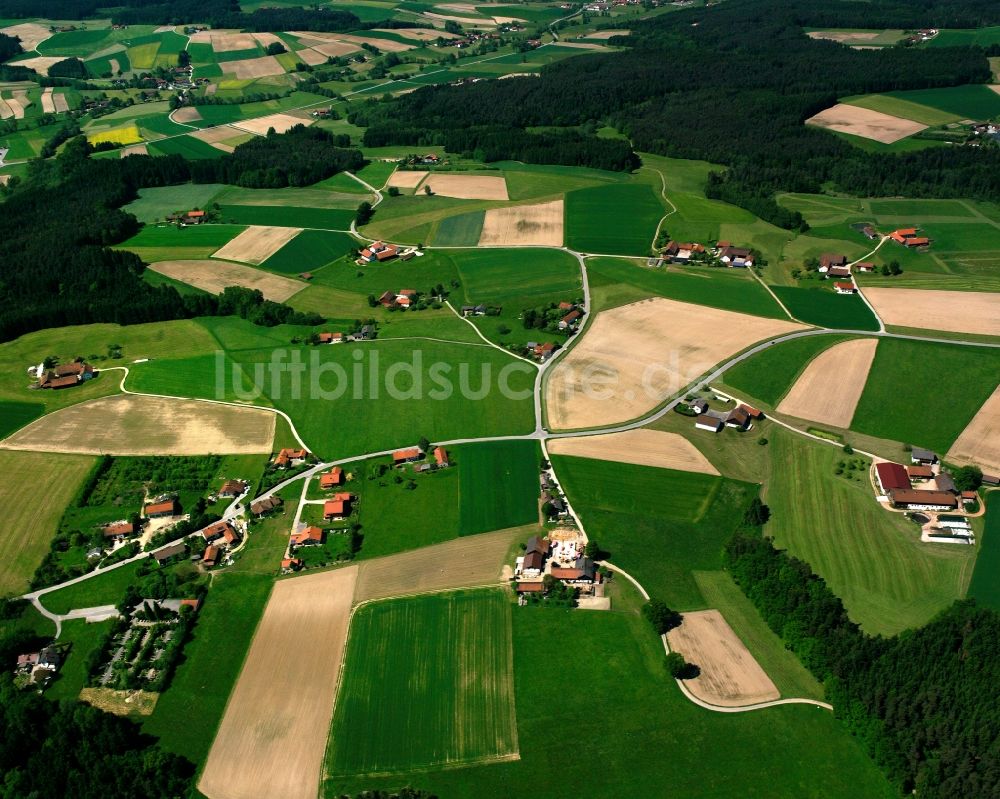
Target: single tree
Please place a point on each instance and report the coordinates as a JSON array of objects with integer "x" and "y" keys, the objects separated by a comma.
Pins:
[{"x": 661, "y": 617}]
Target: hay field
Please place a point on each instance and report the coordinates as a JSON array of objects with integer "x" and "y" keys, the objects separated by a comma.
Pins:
[
  {"x": 217, "y": 136},
  {"x": 730, "y": 677},
  {"x": 311, "y": 57},
  {"x": 273, "y": 735},
  {"x": 257, "y": 243},
  {"x": 428, "y": 681},
  {"x": 280, "y": 122},
  {"x": 829, "y": 388},
  {"x": 187, "y": 113},
  {"x": 334, "y": 49},
  {"x": 865, "y": 123},
  {"x": 48, "y": 105},
  {"x": 955, "y": 311},
  {"x": 639, "y": 447},
  {"x": 31, "y": 35},
  {"x": 524, "y": 225},
  {"x": 224, "y": 41},
  {"x": 468, "y": 187},
  {"x": 135, "y": 149},
  {"x": 19, "y": 103},
  {"x": 419, "y": 34},
  {"x": 472, "y": 560},
  {"x": 634, "y": 357},
  {"x": 406, "y": 179},
  {"x": 215, "y": 276},
  {"x": 845, "y": 37},
  {"x": 604, "y": 35},
  {"x": 40, "y": 63},
  {"x": 250, "y": 68},
  {"x": 385, "y": 45},
  {"x": 979, "y": 443},
  {"x": 130, "y": 424}
]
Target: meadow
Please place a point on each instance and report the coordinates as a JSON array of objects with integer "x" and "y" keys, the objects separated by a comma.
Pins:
[
  {"x": 659, "y": 525},
  {"x": 310, "y": 249},
  {"x": 188, "y": 146},
  {"x": 83, "y": 639},
  {"x": 615, "y": 281},
  {"x": 174, "y": 237},
  {"x": 890, "y": 407},
  {"x": 823, "y": 307},
  {"x": 613, "y": 219},
  {"x": 461, "y": 230},
  {"x": 900, "y": 106},
  {"x": 157, "y": 203},
  {"x": 872, "y": 559},
  {"x": 430, "y": 680},
  {"x": 973, "y": 101},
  {"x": 984, "y": 37},
  {"x": 984, "y": 586},
  {"x": 103, "y": 589},
  {"x": 768, "y": 375},
  {"x": 499, "y": 485},
  {"x": 37, "y": 488},
  {"x": 290, "y": 216},
  {"x": 15, "y": 415},
  {"x": 643, "y": 735}
]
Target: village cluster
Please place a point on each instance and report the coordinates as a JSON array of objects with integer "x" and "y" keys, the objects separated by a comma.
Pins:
[{"x": 741, "y": 417}]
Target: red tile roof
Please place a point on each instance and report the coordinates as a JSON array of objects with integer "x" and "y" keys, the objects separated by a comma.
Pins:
[
  {"x": 334, "y": 477},
  {"x": 119, "y": 528},
  {"x": 308, "y": 535},
  {"x": 440, "y": 456},
  {"x": 892, "y": 476},
  {"x": 405, "y": 454},
  {"x": 528, "y": 588},
  {"x": 169, "y": 506}
]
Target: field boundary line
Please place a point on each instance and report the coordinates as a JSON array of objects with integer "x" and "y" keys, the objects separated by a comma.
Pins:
[
  {"x": 663, "y": 194},
  {"x": 488, "y": 342}
]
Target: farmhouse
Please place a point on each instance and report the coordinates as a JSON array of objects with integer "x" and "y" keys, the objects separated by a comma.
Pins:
[
  {"x": 738, "y": 418},
  {"x": 918, "y": 241},
  {"x": 338, "y": 507},
  {"x": 289, "y": 565},
  {"x": 710, "y": 423},
  {"x": 921, "y": 455},
  {"x": 401, "y": 456},
  {"x": 330, "y": 338},
  {"x": 681, "y": 252},
  {"x": 379, "y": 252},
  {"x": 167, "y": 554},
  {"x": 829, "y": 259},
  {"x": 441, "y": 457},
  {"x": 387, "y": 299},
  {"x": 332, "y": 478},
  {"x": 167, "y": 507},
  {"x": 945, "y": 482},
  {"x": 118, "y": 530},
  {"x": 211, "y": 556},
  {"x": 920, "y": 472},
  {"x": 845, "y": 288},
  {"x": 734, "y": 256},
  {"x": 891, "y": 477},
  {"x": 529, "y": 588},
  {"x": 869, "y": 232},
  {"x": 571, "y": 320},
  {"x": 66, "y": 375},
  {"x": 838, "y": 271},
  {"x": 543, "y": 352},
  {"x": 264, "y": 506},
  {"x": 532, "y": 564},
  {"x": 584, "y": 570},
  {"x": 221, "y": 531},
  {"x": 908, "y": 237},
  {"x": 915, "y": 499},
  {"x": 290, "y": 457},
  {"x": 865, "y": 266},
  {"x": 311, "y": 536},
  {"x": 232, "y": 488}
]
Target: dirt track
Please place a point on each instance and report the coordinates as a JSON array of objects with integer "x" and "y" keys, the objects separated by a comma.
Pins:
[
  {"x": 865, "y": 123},
  {"x": 523, "y": 225},
  {"x": 730, "y": 677},
  {"x": 127, "y": 424},
  {"x": 979, "y": 443},
  {"x": 641, "y": 447},
  {"x": 273, "y": 735},
  {"x": 829, "y": 388},
  {"x": 634, "y": 357},
  {"x": 468, "y": 187},
  {"x": 257, "y": 243},
  {"x": 955, "y": 311},
  {"x": 215, "y": 276}
]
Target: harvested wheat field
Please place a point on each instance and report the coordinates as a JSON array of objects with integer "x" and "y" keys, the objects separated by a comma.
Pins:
[
  {"x": 214, "y": 276},
  {"x": 639, "y": 447},
  {"x": 61, "y": 103},
  {"x": 257, "y": 243},
  {"x": 522, "y": 225},
  {"x": 280, "y": 122},
  {"x": 31, "y": 34},
  {"x": 441, "y": 19},
  {"x": 406, "y": 179},
  {"x": 40, "y": 63},
  {"x": 845, "y": 37},
  {"x": 979, "y": 443},
  {"x": 955, "y": 311},
  {"x": 187, "y": 113},
  {"x": 634, "y": 357},
  {"x": 273, "y": 735},
  {"x": 419, "y": 34},
  {"x": 250, "y": 68},
  {"x": 265, "y": 39},
  {"x": 6, "y": 112},
  {"x": 135, "y": 424},
  {"x": 865, "y": 123},
  {"x": 472, "y": 560},
  {"x": 48, "y": 106},
  {"x": 829, "y": 388},
  {"x": 216, "y": 136},
  {"x": 224, "y": 41},
  {"x": 311, "y": 57},
  {"x": 468, "y": 187},
  {"x": 121, "y": 703},
  {"x": 730, "y": 677},
  {"x": 134, "y": 149},
  {"x": 606, "y": 34},
  {"x": 333, "y": 49},
  {"x": 18, "y": 103}
]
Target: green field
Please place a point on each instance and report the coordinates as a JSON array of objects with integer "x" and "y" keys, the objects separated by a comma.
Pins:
[
  {"x": 430, "y": 681},
  {"x": 35, "y": 490},
  {"x": 984, "y": 37},
  {"x": 635, "y": 729},
  {"x": 188, "y": 146},
  {"x": 871, "y": 558},
  {"x": 614, "y": 220},
  {"x": 659, "y": 525},
  {"x": 985, "y": 584},
  {"x": 83, "y": 639},
  {"x": 823, "y": 307},
  {"x": 499, "y": 485},
  {"x": 890, "y": 407},
  {"x": 287, "y": 216},
  {"x": 102, "y": 589},
  {"x": 897, "y": 106},
  {"x": 461, "y": 230},
  {"x": 168, "y": 242},
  {"x": 615, "y": 281},
  {"x": 973, "y": 101},
  {"x": 156, "y": 204},
  {"x": 15, "y": 415},
  {"x": 517, "y": 277},
  {"x": 311, "y": 249},
  {"x": 769, "y": 374}
]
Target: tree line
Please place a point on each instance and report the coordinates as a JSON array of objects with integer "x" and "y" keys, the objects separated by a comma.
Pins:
[
  {"x": 59, "y": 223},
  {"x": 921, "y": 702}
]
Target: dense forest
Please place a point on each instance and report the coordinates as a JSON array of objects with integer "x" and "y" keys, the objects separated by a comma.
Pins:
[
  {"x": 57, "y": 226},
  {"x": 921, "y": 703},
  {"x": 731, "y": 84}
]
